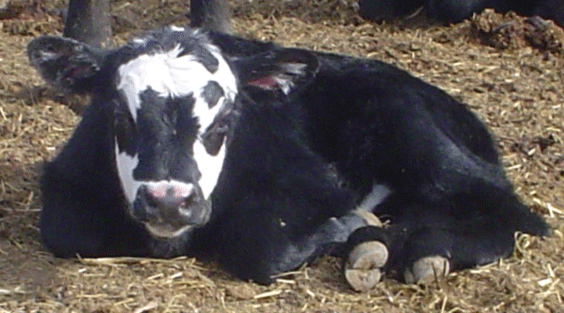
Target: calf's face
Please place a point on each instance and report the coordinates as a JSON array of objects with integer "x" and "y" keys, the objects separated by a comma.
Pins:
[
  {"x": 173, "y": 100},
  {"x": 168, "y": 104}
]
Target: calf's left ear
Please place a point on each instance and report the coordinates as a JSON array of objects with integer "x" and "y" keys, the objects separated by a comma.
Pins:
[
  {"x": 65, "y": 63},
  {"x": 281, "y": 70}
]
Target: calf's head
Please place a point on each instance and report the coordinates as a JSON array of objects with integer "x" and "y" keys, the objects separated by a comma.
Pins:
[{"x": 171, "y": 99}]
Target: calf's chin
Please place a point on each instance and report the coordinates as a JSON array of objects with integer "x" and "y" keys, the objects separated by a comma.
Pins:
[
  {"x": 167, "y": 231},
  {"x": 172, "y": 228}
]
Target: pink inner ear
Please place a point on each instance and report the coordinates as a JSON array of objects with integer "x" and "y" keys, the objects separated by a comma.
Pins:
[{"x": 264, "y": 82}]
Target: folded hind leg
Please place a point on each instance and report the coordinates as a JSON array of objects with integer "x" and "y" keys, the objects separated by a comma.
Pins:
[
  {"x": 463, "y": 246},
  {"x": 424, "y": 254}
]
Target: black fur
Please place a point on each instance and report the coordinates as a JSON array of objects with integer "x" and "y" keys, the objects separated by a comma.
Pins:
[
  {"x": 297, "y": 165},
  {"x": 377, "y": 124}
]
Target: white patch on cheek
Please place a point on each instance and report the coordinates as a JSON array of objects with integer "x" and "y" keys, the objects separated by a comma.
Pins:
[
  {"x": 125, "y": 166},
  {"x": 209, "y": 166}
]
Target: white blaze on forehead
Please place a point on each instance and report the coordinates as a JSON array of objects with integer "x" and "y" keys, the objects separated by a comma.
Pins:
[{"x": 172, "y": 76}]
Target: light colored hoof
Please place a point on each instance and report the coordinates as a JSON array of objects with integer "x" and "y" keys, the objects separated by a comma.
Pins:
[
  {"x": 363, "y": 280},
  {"x": 363, "y": 268},
  {"x": 369, "y": 218},
  {"x": 427, "y": 270}
]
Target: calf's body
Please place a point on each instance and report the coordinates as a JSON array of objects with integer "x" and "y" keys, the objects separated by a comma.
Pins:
[{"x": 310, "y": 138}]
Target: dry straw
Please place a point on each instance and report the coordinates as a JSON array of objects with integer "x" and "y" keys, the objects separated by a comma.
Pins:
[{"x": 517, "y": 91}]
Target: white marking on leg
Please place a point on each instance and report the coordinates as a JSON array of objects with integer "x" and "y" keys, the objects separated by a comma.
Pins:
[{"x": 378, "y": 194}]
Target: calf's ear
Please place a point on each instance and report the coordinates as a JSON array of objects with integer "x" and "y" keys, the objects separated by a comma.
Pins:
[
  {"x": 280, "y": 70},
  {"x": 65, "y": 63}
]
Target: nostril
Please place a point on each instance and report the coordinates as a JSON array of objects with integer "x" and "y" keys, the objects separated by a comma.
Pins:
[
  {"x": 153, "y": 200},
  {"x": 185, "y": 202}
]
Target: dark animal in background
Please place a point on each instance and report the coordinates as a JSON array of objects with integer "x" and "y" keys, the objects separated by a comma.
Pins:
[
  {"x": 454, "y": 11},
  {"x": 551, "y": 10},
  {"x": 308, "y": 145},
  {"x": 89, "y": 21},
  {"x": 215, "y": 15}
]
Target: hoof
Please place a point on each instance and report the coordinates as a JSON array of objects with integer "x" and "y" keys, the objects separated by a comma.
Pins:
[
  {"x": 363, "y": 268},
  {"x": 427, "y": 270},
  {"x": 369, "y": 218}
]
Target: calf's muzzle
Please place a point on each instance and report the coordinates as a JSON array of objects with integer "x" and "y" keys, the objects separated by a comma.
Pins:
[{"x": 169, "y": 208}]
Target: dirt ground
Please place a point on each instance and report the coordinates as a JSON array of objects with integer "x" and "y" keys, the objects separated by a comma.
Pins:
[{"x": 508, "y": 70}]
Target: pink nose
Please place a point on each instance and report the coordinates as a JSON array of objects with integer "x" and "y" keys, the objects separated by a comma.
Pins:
[
  {"x": 174, "y": 190},
  {"x": 169, "y": 199}
]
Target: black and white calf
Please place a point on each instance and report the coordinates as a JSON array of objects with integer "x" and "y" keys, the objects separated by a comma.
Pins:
[
  {"x": 142, "y": 164},
  {"x": 287, "y": 144},
  {"x": 136, "y": 177}
]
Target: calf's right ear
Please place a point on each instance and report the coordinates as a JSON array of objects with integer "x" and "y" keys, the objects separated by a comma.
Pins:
[{"x": 65, "y": 63}]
